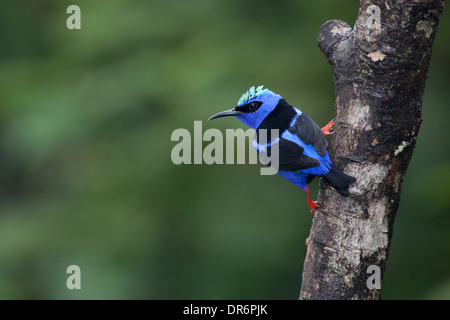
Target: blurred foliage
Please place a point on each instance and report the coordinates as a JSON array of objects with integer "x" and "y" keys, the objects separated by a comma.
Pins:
[{"x": 86, "y": 177}]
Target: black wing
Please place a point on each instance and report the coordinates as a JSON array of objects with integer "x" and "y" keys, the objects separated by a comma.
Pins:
[
  {"x": 291, "y": 156},
  {"x": 310, "y": 133}
]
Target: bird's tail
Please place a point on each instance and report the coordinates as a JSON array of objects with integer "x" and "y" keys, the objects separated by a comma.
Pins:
[{"x": 339, "y": 180}]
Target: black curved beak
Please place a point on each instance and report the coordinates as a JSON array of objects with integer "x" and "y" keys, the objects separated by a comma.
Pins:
[{"x": 232, "y": 112}]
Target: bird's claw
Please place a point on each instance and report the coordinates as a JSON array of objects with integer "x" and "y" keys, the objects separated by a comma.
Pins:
[
  {"x": 327, "y": 129},
  {"x": 313, "y": 205}
]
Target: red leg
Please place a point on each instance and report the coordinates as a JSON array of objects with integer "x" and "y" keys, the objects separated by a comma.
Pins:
[
  {"x": 312, "y": 204},
  {"x": 327, "y": 129}
]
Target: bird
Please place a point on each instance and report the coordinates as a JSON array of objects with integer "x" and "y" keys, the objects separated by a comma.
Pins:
[{"x": 302, "y": 144}]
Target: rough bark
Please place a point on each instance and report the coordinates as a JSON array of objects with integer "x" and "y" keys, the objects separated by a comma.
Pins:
[{"x": 380, "y": 68}]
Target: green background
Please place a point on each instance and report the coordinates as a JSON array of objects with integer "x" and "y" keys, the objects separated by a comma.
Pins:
[{"x": 86, "y": 176}]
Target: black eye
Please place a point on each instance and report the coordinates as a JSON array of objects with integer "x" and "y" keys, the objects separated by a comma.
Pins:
[{"x": 252, "y": 107}]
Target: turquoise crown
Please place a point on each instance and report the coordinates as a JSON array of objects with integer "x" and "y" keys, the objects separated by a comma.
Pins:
[{"x": 252, "y": 93}]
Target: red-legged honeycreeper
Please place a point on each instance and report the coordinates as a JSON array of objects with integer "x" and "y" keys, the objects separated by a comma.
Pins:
[{"x": 301, "y": 142}]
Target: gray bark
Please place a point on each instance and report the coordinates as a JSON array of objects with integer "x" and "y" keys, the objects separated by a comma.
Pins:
[{"x": 380, "y": 67}]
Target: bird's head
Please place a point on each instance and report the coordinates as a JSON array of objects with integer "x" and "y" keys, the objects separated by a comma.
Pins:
[{"x": 253, "y": 106}]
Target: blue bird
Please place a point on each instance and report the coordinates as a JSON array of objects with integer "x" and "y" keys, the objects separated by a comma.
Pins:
[{"x": 301, "y": 142}]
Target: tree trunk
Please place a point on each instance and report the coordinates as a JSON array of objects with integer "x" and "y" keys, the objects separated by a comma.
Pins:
[{"x": 380, "y": 67}]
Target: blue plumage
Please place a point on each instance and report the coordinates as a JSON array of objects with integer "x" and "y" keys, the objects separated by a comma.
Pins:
[{"x": 301, "y": 142}]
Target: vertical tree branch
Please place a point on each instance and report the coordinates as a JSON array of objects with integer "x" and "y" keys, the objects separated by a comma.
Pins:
[{"x": 380, "y": 67}]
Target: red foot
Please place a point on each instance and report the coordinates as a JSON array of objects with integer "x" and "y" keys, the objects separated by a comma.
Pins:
[
  {"x": 327, "y": 129},
  {"x": 312, "y": 204}
]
